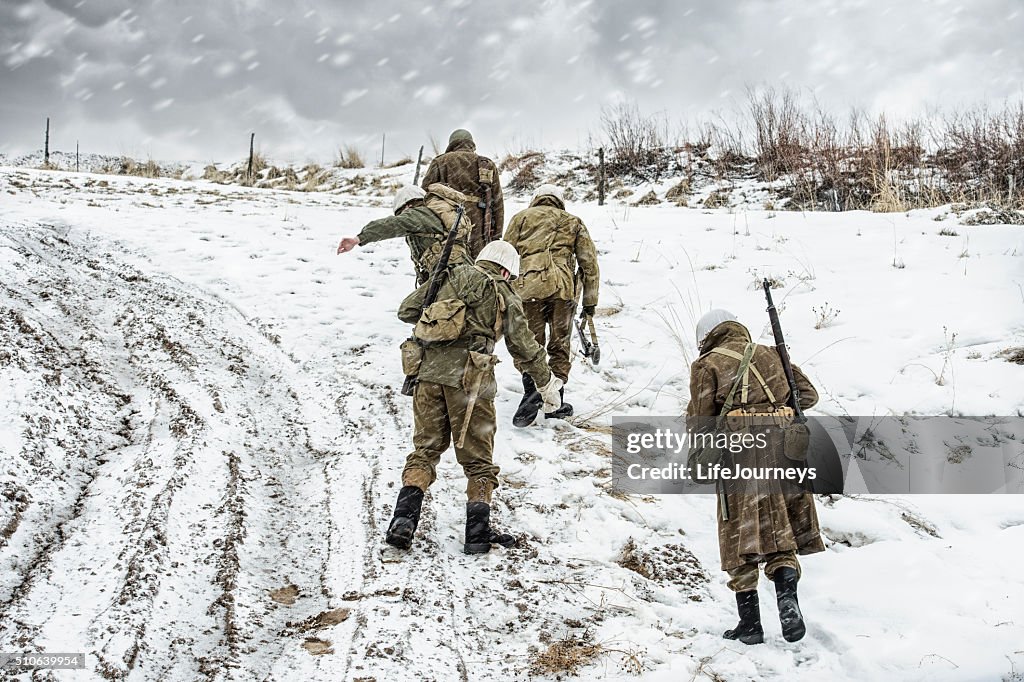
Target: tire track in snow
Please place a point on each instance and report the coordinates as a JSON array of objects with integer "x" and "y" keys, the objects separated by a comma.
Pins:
[{"x": 176, "y": 583}]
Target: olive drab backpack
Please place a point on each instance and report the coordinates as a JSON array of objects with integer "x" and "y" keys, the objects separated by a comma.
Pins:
[{"x": 442, "y": 201}]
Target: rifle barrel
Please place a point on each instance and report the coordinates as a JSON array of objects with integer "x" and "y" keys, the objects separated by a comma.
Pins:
[{"x": 787, "y": 364}]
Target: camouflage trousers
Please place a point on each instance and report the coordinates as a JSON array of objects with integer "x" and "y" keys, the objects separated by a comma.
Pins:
[
  {"x": 556, "y": 314},
  {"x": 438, "y": 415},
  {"x": 744, "y": 578}
]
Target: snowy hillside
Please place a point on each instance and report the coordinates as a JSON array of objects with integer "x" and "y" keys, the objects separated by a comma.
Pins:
[{"x": 201, "y": 438}]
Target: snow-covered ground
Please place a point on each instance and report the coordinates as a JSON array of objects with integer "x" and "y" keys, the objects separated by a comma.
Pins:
[{"x": 202, "y": 435}]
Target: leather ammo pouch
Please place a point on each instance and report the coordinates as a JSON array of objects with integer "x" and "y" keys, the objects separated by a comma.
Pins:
[
  {"x": 796, "y": 438},
  {"x": 412, "y": 357},
  {"x": 442, "y": 321}
]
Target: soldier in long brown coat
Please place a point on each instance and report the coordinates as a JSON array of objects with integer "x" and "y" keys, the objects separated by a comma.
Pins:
[
  {"x": 461, "y": 168},
  {"x": 770, "y": 527}
]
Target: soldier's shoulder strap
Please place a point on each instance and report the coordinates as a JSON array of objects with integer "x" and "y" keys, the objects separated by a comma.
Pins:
[
  {"x": 745, "y": 370},
  {"x": 499, "y": 301}
]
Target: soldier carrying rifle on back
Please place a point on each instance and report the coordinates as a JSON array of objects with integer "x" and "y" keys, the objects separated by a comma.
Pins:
[
  {"x": 737, "y": 382},
  {"x": 462, "y": 169}
]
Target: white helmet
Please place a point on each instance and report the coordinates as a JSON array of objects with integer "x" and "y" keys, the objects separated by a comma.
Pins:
[
  {"x": 549, "y": 190},
  {"x": 709, "y": 321},
  {"x": 406, "y": 194},
  {"x": 504, "y": 254}
]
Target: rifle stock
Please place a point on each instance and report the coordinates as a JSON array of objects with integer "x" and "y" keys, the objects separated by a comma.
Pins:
[
  {"x": 435, "y": 284},
  {"x": 487, "y": 229},
  {"x": 787, "y": 365}
]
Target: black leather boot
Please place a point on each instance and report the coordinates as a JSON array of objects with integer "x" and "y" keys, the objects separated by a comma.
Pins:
[
  {"x": 530, "y": 405},
  {"x": 562, "y": 412},
  {"x": 479, "y": 534},
  {"x": 793, "y": 628},
  {"x": 406, "y": 518},
  {"x": 748, "y": 630}
]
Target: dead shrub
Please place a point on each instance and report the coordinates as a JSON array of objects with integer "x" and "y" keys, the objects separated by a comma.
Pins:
[
  {"x": 1014, "y": 355},
  {"x": 638, "y": 144},
  {"x": 348, "y": 157},
  {"x": 566, "y": 656},
  {"x": 671, "y": 564},
  {"x": 649, "y": 199},
  {"x": 315, "y": 175},
  {"x": 526, "y": 170}
]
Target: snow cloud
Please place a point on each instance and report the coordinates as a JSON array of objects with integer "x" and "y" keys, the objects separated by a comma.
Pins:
[{"x": 190, "y": 79}]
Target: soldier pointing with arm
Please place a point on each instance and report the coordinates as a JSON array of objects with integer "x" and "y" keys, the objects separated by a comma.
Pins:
[
  {"x": 455, "y": 388},
  {"x": 423, "y": 218}
]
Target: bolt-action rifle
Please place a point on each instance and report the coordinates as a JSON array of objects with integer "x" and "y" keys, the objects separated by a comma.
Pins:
[{"x": 435, "y": 284}]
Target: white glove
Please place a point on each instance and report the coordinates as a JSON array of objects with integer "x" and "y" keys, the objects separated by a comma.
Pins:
[{"x": 552, "y": 399}]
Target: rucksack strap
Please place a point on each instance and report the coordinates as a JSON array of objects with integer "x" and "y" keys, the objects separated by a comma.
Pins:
[
  {"x": 501, "y": 306},
  {"x": 745, "y": 370}
]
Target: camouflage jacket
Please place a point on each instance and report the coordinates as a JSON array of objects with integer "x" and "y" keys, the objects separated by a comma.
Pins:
[
  {"x": 551, "y": 243},
  {"x": 485, "y": 293},
  {"x": 461, "y": 168},
  {"x": 425, "y": 231}
]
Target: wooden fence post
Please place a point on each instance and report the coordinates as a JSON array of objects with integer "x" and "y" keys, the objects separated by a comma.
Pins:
[
  {"x": 600, "y": 177},
  {"x": 46, "y": 146},
  {"x": 252, "y": 138}
]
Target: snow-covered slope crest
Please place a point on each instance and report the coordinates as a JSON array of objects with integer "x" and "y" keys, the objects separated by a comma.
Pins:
[{"x": 201, "y": 440}]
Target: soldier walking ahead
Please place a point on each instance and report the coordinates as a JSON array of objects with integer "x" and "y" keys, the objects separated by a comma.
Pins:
[
  {"x": 461, "y": 168},
  {"x": 455, "y": 389},
  {"x": 772, "y": 527},
  {"x": 552, "y": 243},
  {"x": 424, "y": 220}
]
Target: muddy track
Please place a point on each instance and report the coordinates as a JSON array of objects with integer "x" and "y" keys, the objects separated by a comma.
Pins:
[
  {"x": 177, "y": 584},
  {"x": 225, "y": 515}
]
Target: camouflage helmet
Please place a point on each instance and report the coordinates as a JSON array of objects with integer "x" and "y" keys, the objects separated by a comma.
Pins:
[
  {"x": 709, "y": 321},
  {"x": 406, "y": 194}
]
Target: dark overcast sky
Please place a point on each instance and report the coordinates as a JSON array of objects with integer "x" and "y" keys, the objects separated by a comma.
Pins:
[{"x": 188, "y": 79}]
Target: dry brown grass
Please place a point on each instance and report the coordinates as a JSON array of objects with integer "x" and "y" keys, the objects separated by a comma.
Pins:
[
  {"x": 129, "y": 166},
  {"x": 315, "y": 176},
  {"x": 1014, "y": 355},
  {"x": 525, "y": 168},
  {"x": 566, "y": 656},
  {"x": 823, "y": 161},
  {"x": 349, "y": 157}
]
